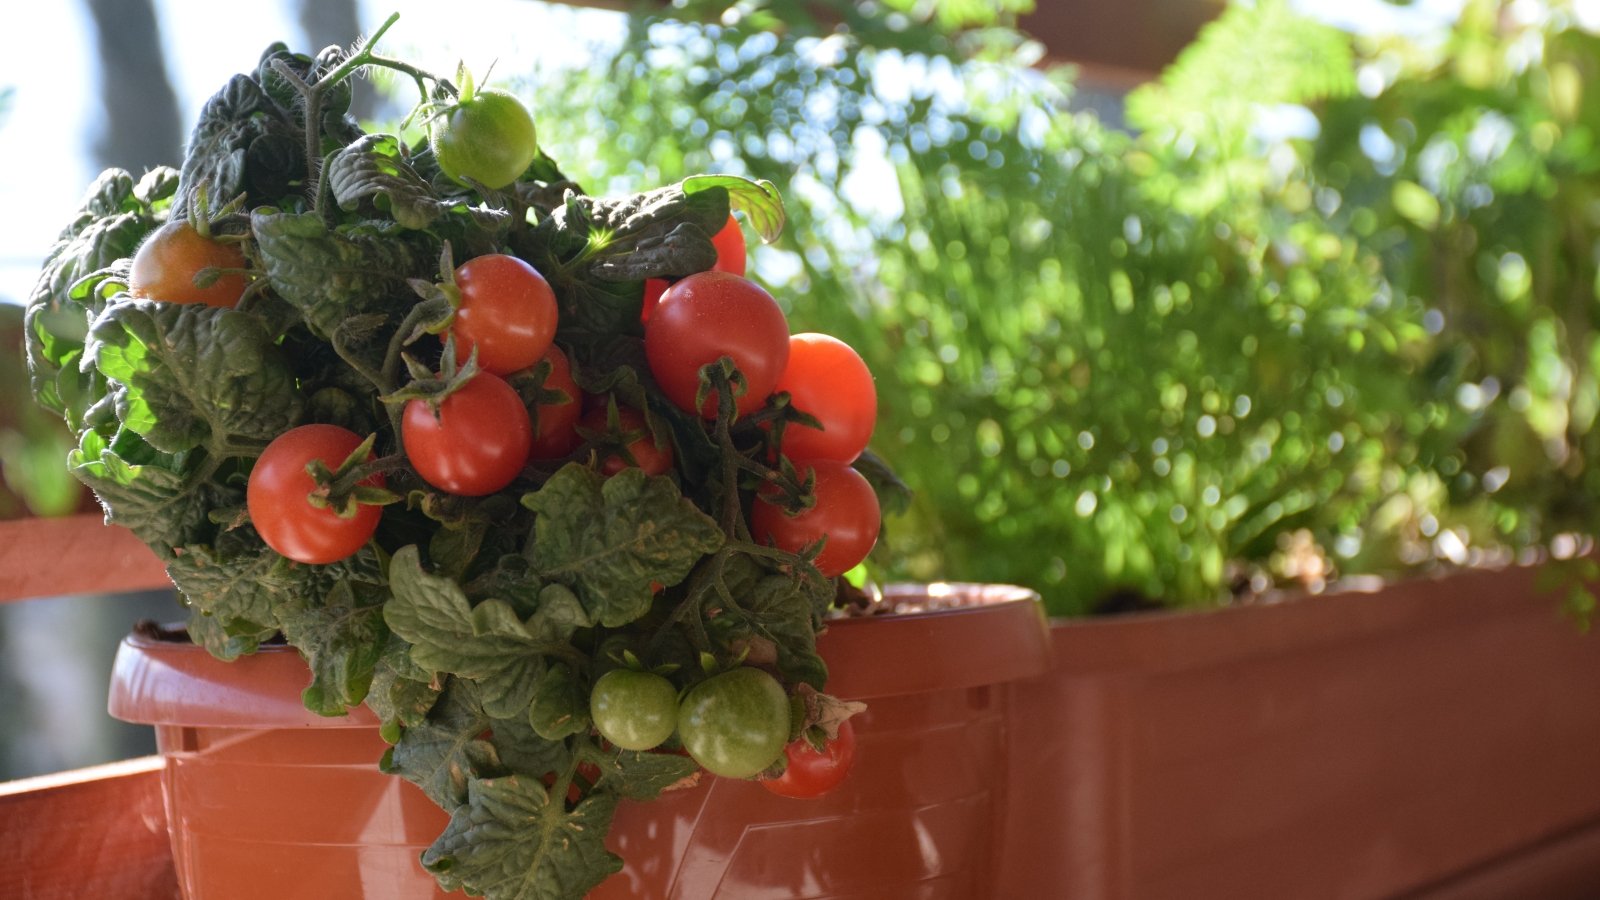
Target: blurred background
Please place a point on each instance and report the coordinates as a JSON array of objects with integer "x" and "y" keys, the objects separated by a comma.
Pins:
[{"x": 1170, "y": 302}]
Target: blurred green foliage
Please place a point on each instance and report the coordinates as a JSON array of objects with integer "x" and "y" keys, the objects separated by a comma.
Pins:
[{"x": 1212, "y": 355}]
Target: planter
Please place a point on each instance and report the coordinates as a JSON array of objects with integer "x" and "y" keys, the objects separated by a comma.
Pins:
[
  {"x": 1348, "y": 746},
  {"x": 266, "y": 800}
]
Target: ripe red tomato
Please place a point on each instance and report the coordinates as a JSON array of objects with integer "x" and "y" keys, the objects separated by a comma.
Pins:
[
  {"x": 730, "y": 248},
  {"x": 653, "y": 458},
  {"x": 508, "y": 312},
  {"x": 705, "y": 317},
  {"x": 276, "y": 496},
  {"x": 653, "y": 289},
  {"x": 477, "y": 442},
  {"x": 167, "y": 262},
  {"x": 811, "y": 773},
  {"x": 556, "y": 433},
  {"x": 846, "y": 513},
  {"x": 828, "y": 379}
]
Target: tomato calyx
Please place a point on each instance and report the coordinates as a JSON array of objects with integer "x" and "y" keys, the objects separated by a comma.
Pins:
[
  {"x": 621, "y": 436},
  {"x": 346, "y": 488},
  {"x": 434, "y": 387}
]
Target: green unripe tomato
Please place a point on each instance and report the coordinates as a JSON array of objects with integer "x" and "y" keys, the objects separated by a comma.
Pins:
[
  {"x": 735, "y": 724},
  {"x": 634, "y": 710},
  {"x": 488, "y": 137}
]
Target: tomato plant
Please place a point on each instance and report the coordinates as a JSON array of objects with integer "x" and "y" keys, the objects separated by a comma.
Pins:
[
  {"x": 278, "y": 493},
  {"x": 708, "y": 316},
  {"x": 828, "y": 380},
  {"x": 474, "y": 443},
  {"x": 507, "y": 313},
  {"x": 634, "y": 710},
  {"x": 631, "y": 443},
  {"x": 810, "y": 772},
  {"x": 170, "y": 259},
  {"x": 730, "y": 246},
  {"x": 555, "y": 433},
  {"x": 735, "y": 724},
  {"x": 846, "y": 513}
]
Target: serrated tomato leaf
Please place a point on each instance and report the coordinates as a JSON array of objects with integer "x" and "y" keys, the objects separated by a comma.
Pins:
[
  {"x": 330, "y": 275},
  {"x": 610, "y": 539},
  {"x": 511, "y": 841},
  {"x": 147, "y": 491},
  {"x": 187, "y": 376},
  {"x": 760, "y": 201},
  {"x": 446, "y": 750},
  {"x": 373, "y": 173},
  {"x": 486, "y": 643}
]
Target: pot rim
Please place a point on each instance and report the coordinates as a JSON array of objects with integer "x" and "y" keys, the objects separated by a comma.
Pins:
[{"x": 980, "y": 635}]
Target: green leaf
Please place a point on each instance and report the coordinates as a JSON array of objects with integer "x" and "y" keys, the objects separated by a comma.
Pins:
[
  {"x": 560, "y": 706},
  {"x": 783, "y": 609},
  {"x": 187, "y": 376},
  {"x": 486, "y": 643},
  {"x": 644, "y": 775},
  {"x": 342, "y": 636},
  {"x": 115, "y": 216},
  {"x": 609, "y": 538},
  {"x": 147, "y": 491},
  {"x": 332, "y": 275},
  {"x": 759, "y": 200},
  {"x": 402, "y": 692},
  {"x": 243, "y": 142},
  {"x": 374, "y": 170},
  {"x": 523, "y": 752},
  {"x": 232, "y": 587},
  {"x": 510, "y": 841},
  {"x": 446, "y": 750}
]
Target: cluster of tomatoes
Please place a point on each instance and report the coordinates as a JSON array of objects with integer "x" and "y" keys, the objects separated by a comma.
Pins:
[
  {"x": 476, "y": 437},
  {"x": 734, "y": 724}
]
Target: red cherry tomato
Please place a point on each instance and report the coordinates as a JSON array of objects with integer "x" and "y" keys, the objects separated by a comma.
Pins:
[
  {"x": 167, "y": 262},
  {"x": 556, "y": 435},
  {"x": 730, "y": 248},
  {"x": 810, "y": 773},
  {"x": 476, "y": 444},
  {"x": 508, "y": 312},
  {"x": 653, "y": 458},
  {"x": 276, "y": 496},
  {"x": 846, "y": 513},
  {"x": 827, "y": 379},
  {"x": 653, "y": 289},
  {"x": 705, "y": 317}
]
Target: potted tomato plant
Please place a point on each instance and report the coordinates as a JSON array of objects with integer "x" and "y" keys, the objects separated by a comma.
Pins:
[{"x": 399, "y": 419}]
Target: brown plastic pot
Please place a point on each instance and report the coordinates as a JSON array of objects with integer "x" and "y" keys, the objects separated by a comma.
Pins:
[
  {"x": 1357, "y": 745},
  {"x": 266, "y": 800}
]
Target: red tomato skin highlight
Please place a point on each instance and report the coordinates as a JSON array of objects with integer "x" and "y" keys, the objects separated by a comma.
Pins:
[
  {"x": 828, "y": 379},
  {"x": 478, "y": 442},
  {"x": 166, "y": 263},
  {"x": 846, "y": 512},
  {"x": 556, "y": 433},
  {"x": 508, "y": 313},
  {"x": 705, "y": 317},
  {"x": 279, "y": 485},
  {"x": 811, "y": 774},
  {"x": 653, "y": 458}
]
